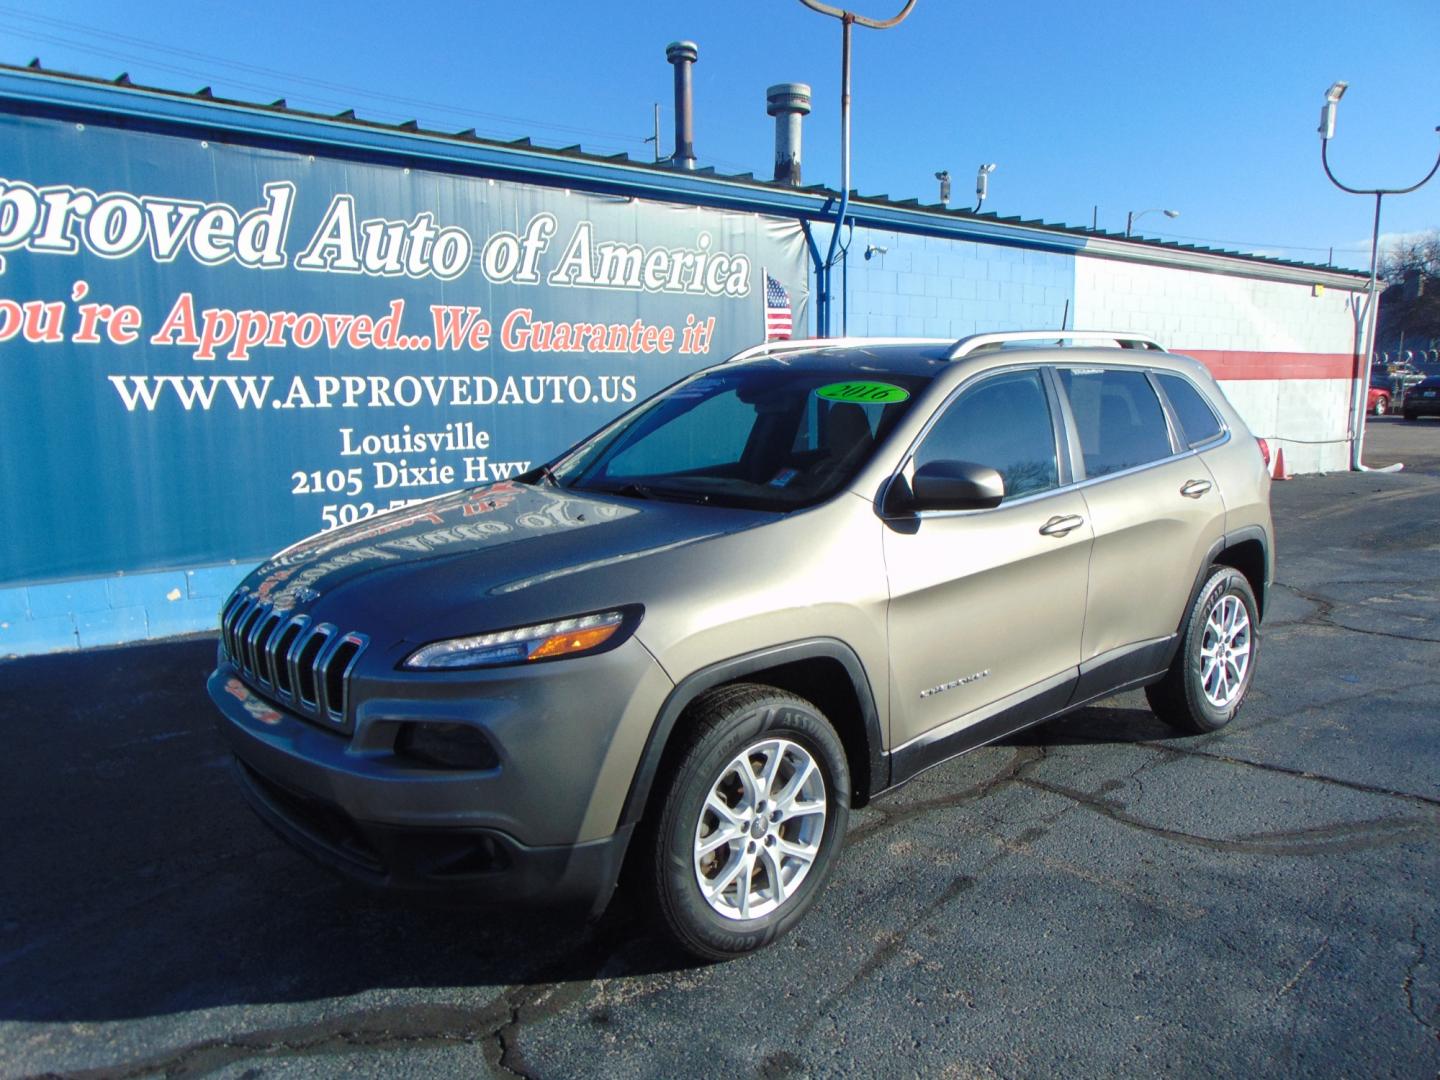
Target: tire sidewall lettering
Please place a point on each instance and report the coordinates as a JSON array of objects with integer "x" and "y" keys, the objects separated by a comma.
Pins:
[{"x": 790, "y": 720}]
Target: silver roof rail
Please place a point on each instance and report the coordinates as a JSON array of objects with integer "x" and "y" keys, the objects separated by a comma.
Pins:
[
  {"x": 770, "y": 348},
  {"x": 1114, "y": 338}
]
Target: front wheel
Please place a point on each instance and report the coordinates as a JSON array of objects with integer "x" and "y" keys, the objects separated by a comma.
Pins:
[
  {"x": 1215, "y": 664},
  {"x": 1382, "y": 406},
  {"x": 1411, "y": 416},
  {"x": 752, "y": 822}
]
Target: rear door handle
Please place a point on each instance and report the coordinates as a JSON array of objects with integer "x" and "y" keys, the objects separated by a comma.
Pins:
[
  {"x": 1193, "y": 489},
  {"x": 1061, "y": 524}
]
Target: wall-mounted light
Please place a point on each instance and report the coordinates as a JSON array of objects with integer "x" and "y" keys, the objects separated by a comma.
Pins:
[
  {"x": 872, "y": 250},
  {"x": 982, "y": 185}
]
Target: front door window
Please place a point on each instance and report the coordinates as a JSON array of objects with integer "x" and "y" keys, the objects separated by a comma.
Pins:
[{"x": 1005, "y": 423}]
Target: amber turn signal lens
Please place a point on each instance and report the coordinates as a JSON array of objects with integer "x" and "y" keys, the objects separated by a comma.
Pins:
[{"x": 580, "y": 641}]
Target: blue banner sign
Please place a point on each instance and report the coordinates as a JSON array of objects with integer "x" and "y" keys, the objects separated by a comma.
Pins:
[{"x": 209, "y": 350}]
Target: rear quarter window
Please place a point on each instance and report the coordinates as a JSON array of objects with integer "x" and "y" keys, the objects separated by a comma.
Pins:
[{"x": 1198, "y": 422}]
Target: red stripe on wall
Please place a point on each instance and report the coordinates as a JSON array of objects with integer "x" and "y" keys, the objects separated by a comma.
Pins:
[{"x": 1274, "y": 365}]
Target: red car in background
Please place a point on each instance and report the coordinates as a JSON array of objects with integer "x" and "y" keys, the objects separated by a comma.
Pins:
[{"x": 1379, "y": 400}]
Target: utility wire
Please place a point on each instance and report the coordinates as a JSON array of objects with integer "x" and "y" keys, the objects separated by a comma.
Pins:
[
  {"x": 615, "y": 141},
  {"x": 522, "y": 125},
  {"x": 1341, "y": 248},
  {"x": 289, "y": 78}
]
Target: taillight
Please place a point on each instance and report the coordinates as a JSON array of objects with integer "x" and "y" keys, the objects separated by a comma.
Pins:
[{"x": 1264, "y": 451}]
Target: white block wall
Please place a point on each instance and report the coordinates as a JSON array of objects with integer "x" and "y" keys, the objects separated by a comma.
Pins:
[{"x": 1275, "y": 323}]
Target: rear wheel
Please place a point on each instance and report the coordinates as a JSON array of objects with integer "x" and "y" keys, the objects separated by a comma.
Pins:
[
  {"x": 752, "y": 821},
  {"x": 1215, "y": 664},
  {"x": 1410, "y": 415},
  {"x": 1382, "y": 406}
]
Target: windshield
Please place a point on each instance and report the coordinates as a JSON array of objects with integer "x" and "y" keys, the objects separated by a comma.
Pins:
[{"x": 762, "y": 435}]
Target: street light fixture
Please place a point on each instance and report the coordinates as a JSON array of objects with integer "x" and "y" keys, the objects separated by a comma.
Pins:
[
  {"x": 1134, "y": 216},
  {"x": 982, "y": 185},
  {"x": 944, "y": 177},
  {"x": 1327, "y": 111},
  {"x": 1363, "y": 357}
]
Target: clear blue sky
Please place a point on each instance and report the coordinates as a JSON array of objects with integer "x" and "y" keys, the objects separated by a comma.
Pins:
[{"x": 1208, "y": 108}]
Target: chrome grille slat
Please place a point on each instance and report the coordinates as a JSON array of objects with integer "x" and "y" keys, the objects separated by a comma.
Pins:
[
  {"x": 248, "y": 649},
  {"x": 318, "y": 639},
  {"x": 337, "y": 711},
  {"x": 253, "y": 632},
  {"x": 242, "y": 637},
  {"x": 292, "y": 658},
  {"x": 232, "y": 622},
  {"x": 262, "y": 629},
  {"x": 227, "y": 621},
  {"x": 322, "y": 665},
  {"x": 280, "y": 655}
]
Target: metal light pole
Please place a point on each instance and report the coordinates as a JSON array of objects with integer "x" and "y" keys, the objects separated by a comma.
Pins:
[
  {"x": 822, "y": 269},
  {"x": 1362, "y": 359},
  {"x": 1134, "y": 216}
]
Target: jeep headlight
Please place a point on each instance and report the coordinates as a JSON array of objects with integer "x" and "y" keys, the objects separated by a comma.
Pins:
[{"x": 574, "y": 636}]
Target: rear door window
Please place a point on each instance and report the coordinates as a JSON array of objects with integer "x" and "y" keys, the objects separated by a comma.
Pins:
[
  {"x": 1003, "y": 422},
  {"x": 1198, "y": 421},
  {"x": 1119, "y": 419}
]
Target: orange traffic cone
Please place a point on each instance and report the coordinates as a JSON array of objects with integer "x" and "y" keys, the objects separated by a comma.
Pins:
[{"x": 1280, "y": 473}]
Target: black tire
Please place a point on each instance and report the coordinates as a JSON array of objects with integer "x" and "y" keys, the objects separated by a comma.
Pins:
[
  {"x": 720, "y": 727},
  {"x": 1382, "y": 406},
  {"x": 1410, "y": 415},
  {"x": 1180, "y": 698}
]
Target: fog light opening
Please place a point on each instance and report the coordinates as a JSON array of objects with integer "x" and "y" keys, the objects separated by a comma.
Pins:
[{"x": 446, "y": 746}]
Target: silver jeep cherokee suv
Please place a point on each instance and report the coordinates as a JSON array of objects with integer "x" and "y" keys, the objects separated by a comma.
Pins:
[{"x": 767, "y": 594}]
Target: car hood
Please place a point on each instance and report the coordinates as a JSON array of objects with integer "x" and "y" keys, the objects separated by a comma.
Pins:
[{"x": 519, "y": 550}]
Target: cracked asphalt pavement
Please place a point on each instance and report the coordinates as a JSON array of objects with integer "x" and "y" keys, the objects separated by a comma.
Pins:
[{"x": 1098, "y": 896}]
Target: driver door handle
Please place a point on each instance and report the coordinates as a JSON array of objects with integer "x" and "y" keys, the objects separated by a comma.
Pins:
[
  {"x": 1061, "y": 524},
  {"x": 1193, "y": 489}
]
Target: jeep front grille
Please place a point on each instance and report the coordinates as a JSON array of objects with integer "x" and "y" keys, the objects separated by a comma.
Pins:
[{"x": 303, "y": 665}]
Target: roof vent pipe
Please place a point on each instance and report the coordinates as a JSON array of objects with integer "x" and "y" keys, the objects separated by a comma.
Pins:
[
  {"x": 787, "y": 102},
  {"x": 683, "y": 55}
]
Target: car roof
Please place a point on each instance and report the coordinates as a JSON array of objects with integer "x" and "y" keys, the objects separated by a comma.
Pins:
[
  {"x": 920, "y": 357},
  {"x": 930, "y": 357}
]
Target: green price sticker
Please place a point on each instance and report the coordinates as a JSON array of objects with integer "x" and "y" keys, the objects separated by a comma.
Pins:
[{"x": 863, "y": 393}]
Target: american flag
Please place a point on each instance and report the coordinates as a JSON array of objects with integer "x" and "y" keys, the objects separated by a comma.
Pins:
[{"x": 777, "y": 311}]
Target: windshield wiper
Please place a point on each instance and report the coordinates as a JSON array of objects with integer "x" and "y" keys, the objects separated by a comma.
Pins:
[
  {"x": 538, "y": 473},
  {"x": 644, "y": 491}
]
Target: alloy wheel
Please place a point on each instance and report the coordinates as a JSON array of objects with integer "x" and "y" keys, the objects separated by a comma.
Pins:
[
  {"x": 1225, "y": 651},
  {"x": 760, "y": 829}
]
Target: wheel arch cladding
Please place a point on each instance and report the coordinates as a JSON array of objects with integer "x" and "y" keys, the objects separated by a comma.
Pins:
[
  {"x": 823, "y": 681},
  {"x": 825, "y": 672},
  {"x": 1248, "y": 556}
]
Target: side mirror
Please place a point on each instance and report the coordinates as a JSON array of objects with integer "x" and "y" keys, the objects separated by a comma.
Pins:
[{"x": 955, "y": 485}]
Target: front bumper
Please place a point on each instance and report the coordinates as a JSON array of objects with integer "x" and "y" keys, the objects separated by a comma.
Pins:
[
  {"x": 540, "y": 824},
  {"x": 480, "y": 866}
]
